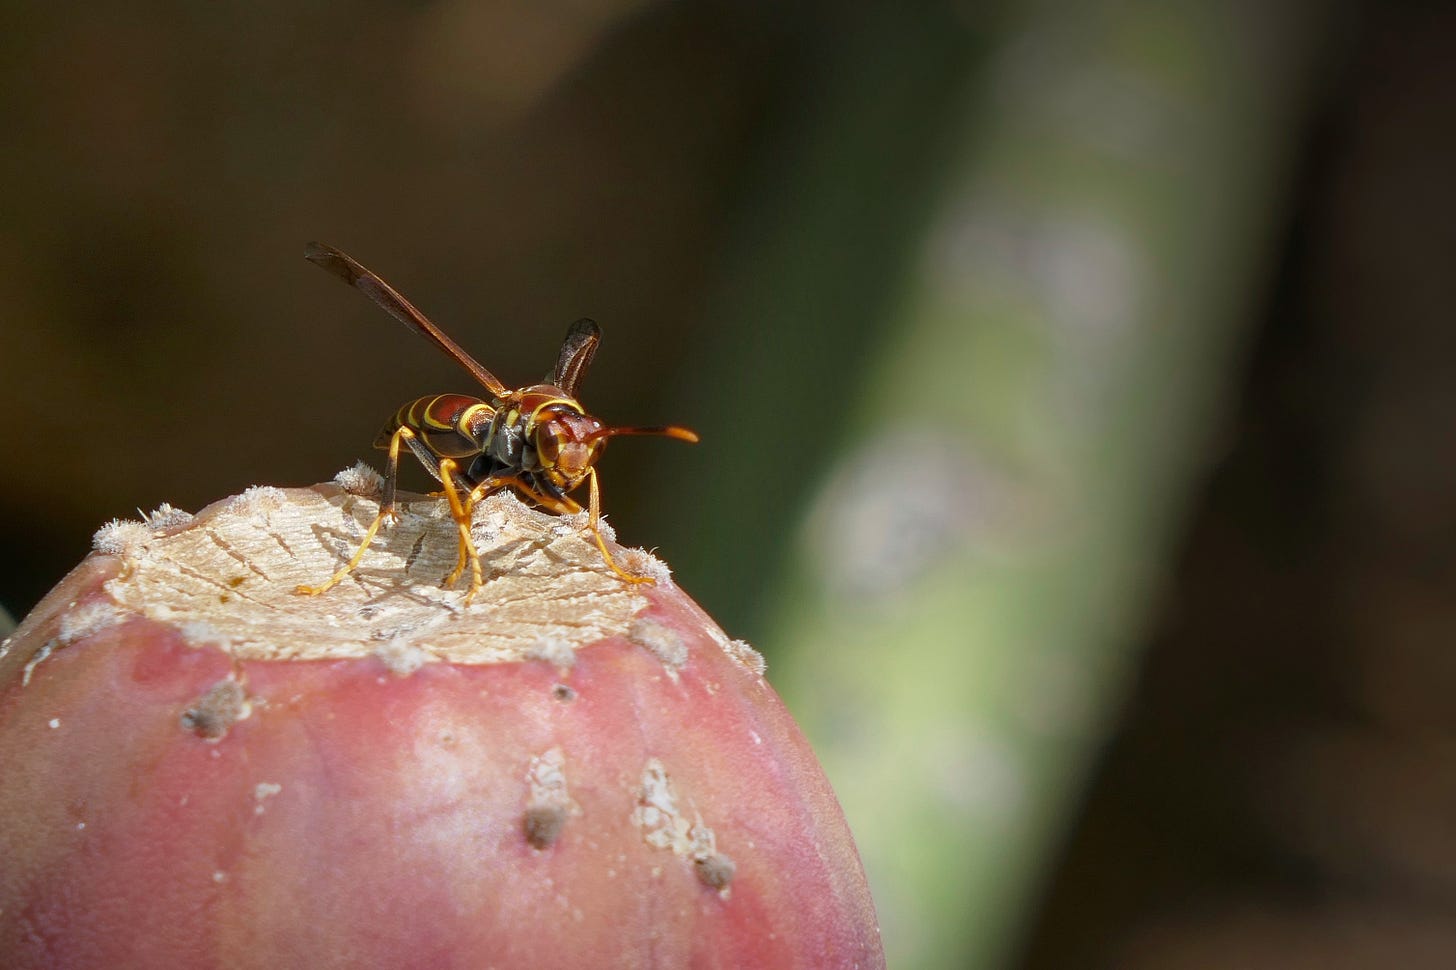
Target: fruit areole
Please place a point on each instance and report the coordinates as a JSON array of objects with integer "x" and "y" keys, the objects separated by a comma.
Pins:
[{"x": 200, "y": 768}]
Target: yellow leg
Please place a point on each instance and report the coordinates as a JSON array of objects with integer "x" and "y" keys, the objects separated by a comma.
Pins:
[
  {"x": 460, "y": 511},
  {"x": 593, "y": 520},
  {"x": 566, "y": 506},
  {"x": 353, "y": 562},
  {"x": 386, "y": 512},
  {"x": 488, "y": 487}
]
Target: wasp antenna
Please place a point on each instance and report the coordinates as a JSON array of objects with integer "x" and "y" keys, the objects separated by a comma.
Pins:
[{"x": 664, "y": 431}]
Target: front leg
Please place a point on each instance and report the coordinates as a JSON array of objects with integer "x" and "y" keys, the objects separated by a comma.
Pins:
[
  {"x": 566, "y": 505},
  {"x": 593, "y": 523},
  {"x": 551, "y": 502},
  {"x": 462, "y": 509}
]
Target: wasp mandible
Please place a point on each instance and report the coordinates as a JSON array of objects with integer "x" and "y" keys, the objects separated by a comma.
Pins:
[{"x": 537, "y": 440}]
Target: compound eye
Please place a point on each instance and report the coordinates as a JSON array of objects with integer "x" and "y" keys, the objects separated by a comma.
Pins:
[{"x": 548, "y": 448}]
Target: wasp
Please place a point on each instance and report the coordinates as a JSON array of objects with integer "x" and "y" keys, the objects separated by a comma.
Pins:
[{"x": 537, "y": 440}]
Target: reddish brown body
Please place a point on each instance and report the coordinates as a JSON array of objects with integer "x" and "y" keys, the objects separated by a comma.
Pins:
[
  {"x": 448, "y": 425},
  {"x": 537, "y": 440}
]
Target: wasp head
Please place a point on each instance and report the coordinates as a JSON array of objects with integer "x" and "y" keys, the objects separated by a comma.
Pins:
[{"x": 568, "y": 443}]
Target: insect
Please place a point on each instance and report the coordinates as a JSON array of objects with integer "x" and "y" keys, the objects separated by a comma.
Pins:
[{"x": 537, "y": 440}]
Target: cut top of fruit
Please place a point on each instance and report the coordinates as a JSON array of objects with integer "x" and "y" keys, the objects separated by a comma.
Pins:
[{"x": 229, "y": 573}]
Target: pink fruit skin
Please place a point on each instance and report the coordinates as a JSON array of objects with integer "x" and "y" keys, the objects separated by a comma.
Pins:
[{"x": 387, "y": 831}]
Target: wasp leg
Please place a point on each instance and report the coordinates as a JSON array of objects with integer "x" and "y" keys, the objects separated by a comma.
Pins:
[
  {"x": 386, "y": 512},
  {"x": 488, "y": 487},
  {"x": 461, "y": 511},
  {"x": 594, "y": 518},
  {"x": 565, "y": 505}
]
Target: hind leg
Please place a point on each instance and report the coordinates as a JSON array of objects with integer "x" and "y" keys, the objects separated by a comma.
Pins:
[{"x": 386, "y": 512}]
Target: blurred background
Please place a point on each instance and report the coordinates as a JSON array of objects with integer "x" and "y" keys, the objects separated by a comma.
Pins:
[{"x": 1075, "y": 384}]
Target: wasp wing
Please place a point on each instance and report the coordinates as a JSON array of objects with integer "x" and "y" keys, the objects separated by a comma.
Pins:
[
  {"x": 349, "y": 270},
  {"x": 577, "y": 352}
]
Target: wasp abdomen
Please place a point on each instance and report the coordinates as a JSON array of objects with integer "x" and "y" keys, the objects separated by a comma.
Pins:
[{"x": 450, "y": 425}]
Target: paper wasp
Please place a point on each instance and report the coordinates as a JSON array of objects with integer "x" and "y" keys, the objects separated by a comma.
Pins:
[{"x": 538, "y": 440}]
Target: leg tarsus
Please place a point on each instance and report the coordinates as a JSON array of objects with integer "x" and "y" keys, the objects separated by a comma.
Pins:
[
  {"x": 567, "y": 506},
  {"x": 461, "y": 512},
  {"x": 387, "y": 513},
  {"x": 594, "y": 517},
  {"x": 353, "y": 562}
]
